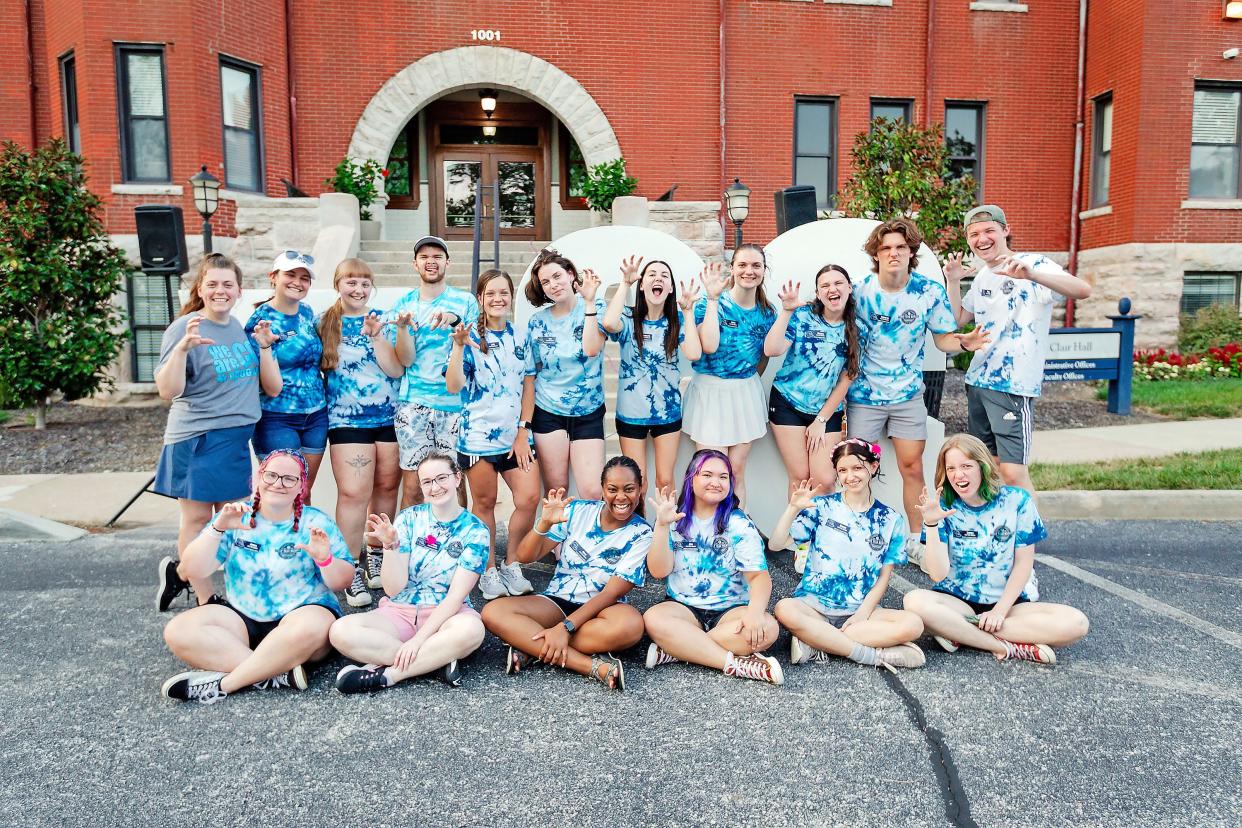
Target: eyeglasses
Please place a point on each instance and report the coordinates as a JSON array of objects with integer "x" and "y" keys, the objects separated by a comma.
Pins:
[
  {"x": 443, "y": 481},
  {"x": 304, "y": 258},
  {"x": 287, "y": 481}
]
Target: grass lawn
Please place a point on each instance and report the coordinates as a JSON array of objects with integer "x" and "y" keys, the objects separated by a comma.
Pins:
[
  {"x": 1188, "y": 399},
  {"x": 1204, "y": 470}
]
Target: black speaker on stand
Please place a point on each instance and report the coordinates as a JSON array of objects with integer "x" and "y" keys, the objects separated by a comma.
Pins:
[{"x": 795, "y": 206}]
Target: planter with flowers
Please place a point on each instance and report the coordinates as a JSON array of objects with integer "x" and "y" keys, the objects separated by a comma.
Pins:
[
  {"x": 362, "y": 179},
  {"x": 1225, "y": 361}
]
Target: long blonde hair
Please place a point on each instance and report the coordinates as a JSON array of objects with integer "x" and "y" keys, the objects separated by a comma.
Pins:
[
  {"x": 330, "y": 322},
  {"x": 485, "y": 277},
  {"x": 990, "y": 480},
  {"x": 212, "y": 261}
]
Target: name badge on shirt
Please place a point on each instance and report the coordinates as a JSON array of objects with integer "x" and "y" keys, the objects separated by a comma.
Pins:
[
  {"x": 966, "y": 534},
  {"x": 986, "y": 293},
  {"x": 547, "y": 340},
  {"x": 576, "y": 549},
  {"x": 648, "y": 337},
  {"x": 519, "y": 351},
  {"x": 245, "y": 544},
  {"x": 688, "y": 544},
  {"x": 840, "y": 527},
  {"x": 428, "y": 542},
  {"x": 816, "y": 336},
  {"x": 881, "y": 317},
  {"x": 729, "y": 323}
]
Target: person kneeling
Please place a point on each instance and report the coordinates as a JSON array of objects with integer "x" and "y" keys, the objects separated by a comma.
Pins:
[
  {"x": 581, "y": 617},
  {"x": 718, "y": 579},
  {"x": 981, "y": 538},
  {"x": 855, "y": 541},
  {"x": 282, "y": 563},
  {"x": 433, "y": 557}
]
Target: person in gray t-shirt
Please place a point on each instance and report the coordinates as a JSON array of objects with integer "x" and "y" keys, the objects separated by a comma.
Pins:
[{"x": 209, "y": 371}]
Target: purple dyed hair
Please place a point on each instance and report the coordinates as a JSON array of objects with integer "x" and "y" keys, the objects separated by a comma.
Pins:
[{"x": 685, "y": 500}]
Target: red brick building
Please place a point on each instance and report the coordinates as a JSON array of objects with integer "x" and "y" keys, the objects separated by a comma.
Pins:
[{"x": 692, "y": 94}]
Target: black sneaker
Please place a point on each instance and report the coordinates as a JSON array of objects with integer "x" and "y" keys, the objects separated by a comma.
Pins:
[
  {"x": 361, "y": 679},
  {"x": 357, "y": 593},
  {"x": 171, "y": 585},
  {"x": 295, "y": 678},
  {"x": 450, "y": 674},
  {"x": 375, "y": 559},
  {"x": 195, "y": 685}
]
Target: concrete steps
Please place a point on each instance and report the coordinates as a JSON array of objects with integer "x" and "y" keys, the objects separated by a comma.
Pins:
[{"x": 392, "y": 261}]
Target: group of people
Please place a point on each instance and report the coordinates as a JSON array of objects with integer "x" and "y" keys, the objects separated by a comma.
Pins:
[{"x": 442, "y": 392}]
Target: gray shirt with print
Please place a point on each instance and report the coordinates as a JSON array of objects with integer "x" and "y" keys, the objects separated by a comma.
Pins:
[{"x": 221, "y": 380}]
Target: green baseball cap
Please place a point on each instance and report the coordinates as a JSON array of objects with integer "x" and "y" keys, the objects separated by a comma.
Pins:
[{"x": 985, "y": 212}]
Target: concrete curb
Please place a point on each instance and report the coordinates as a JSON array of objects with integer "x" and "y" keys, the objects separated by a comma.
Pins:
[
  {"x": 21, "y": 526},
  {"x": 1151, "y": 504}
]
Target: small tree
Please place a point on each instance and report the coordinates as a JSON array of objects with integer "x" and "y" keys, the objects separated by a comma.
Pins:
[
  {"x": 902, "y": 169},
  {"x": 59, "y": 328},
  {"x": 359, "y": 179},
  {"x": 607, "y": 182}
]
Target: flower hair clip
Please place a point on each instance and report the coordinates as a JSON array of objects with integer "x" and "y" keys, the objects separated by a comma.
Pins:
[{"x": 874, "y": 448}]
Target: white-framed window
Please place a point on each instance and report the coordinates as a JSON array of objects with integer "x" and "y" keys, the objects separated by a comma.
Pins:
[
  {"x": 241, "y": 121},
  {"x": 1101, "y": 149},
  {"x": 1214, "y": 147},
  {"x": 143, "y": 114}
]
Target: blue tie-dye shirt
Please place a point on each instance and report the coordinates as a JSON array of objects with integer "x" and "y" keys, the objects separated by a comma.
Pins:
[
  {"x": 589, "y": 556},
  {"x": 360, "y": 394},
  {"x": 895, "y": 327},
  {"x": 297, "y": 349},
  {"x": 709, "y": 568},
  {"x": 1016, "y": 313},
  {"x": 423, "y": 382},
  {"x": 567, "y": 381},
  {"x": 847, "y": 550},
  {"x": 266, "y": 576},
  {"x": 814, "y": 361},
  {"x": 741, "y": 338},
  {"x": 649, "y": 382},
  {"x": 982, "y": 543},
  {"x": 492, "y": 395},
  {"x": 437, "y": 550}
]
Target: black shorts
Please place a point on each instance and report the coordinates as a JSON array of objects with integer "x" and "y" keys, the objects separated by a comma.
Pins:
[
  {"x": 782, "y": 413},
  {"x": 633, "y": 431},
  {"x": 503, "y": 462},
  {"x": 257, "y": 630},
  {"x": 587, "y": 427},
  {"x": 362, "y": 436},
  {"x": 707, "y": 618},
  {"x": 975, "y": 606},
  {"x": 565, "y": 606}
]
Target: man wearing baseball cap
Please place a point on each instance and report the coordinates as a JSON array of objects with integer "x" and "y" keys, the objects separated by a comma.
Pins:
[
  {"x": 1011, "y": 298},
  {"x": 428, "y": 416}
]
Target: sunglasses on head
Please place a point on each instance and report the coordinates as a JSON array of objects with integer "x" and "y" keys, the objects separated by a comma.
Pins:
[{"x": 304, "y": 258}]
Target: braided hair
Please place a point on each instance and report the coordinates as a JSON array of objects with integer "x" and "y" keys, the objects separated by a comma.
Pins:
[
  {"x": 299, "y": 501},
  {"x": 484, "y": 278}
]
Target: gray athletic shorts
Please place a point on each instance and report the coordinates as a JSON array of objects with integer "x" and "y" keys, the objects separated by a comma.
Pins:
[
  {"x": 1003, "y": 421},
  {"x": 904, "y": 421},
  {"x": 422, "y": 430}
]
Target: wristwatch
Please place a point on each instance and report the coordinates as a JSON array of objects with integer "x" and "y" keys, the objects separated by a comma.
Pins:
[
  {"x": 524, "y": 424},
  {"x": 820, "y": 418},
  {"x": 569, "y": 626}
]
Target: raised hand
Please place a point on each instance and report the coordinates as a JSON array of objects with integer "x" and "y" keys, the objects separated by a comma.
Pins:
[
  {"x": 372, "y": 324},
  {"x": 263, "y": 335},
  {"x": 319, "y": 547},
  {"x": 789, "y": 296},
  {"x": 405, "y": 319},
  {"x": 442, "y": 319},
  {"x": 955, "y": 270},
  {"x": 630, "y": 268},
  {"x": 687, "y": 296},
  {"x": 974, "y": 340},
  {"x": 381, "y": 528},
  {"x": 1013, "y": 267},
  {"x": 554, "y": 506},
  {"x": 712, "y": 280},
  {"x": 930, "y": 506},
  {"x": 664, "y": 505},
  {"x": 193, "y": 338},
  {"x": 590, "y": 285},
  {"x": 230, "y": 516},
  {"x": 804, "y": 493},
  {"x": 461, "y": 337}
]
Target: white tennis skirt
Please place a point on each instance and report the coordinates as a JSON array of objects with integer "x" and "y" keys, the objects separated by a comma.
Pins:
[{"x": 724, "y": 412}]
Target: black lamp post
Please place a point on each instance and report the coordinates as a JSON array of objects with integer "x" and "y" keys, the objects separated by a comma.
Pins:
[
  {"x": 206, "y": 188},
  {"x": 737, "y": 203}
]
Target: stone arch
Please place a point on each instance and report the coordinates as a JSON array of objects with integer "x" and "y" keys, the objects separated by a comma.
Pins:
[{"x": 441, "y": 73}]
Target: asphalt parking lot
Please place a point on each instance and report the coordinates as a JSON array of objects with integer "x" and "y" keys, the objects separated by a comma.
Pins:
[{"x": 1138, "y": 725}]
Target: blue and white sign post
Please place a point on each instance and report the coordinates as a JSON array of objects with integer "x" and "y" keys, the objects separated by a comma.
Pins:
[{"x": 1078, "y": 354}]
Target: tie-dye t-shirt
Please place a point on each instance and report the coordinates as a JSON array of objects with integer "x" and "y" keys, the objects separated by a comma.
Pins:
[
  {"x": 814, "y": 361},
  {"x": 847, "y": 550},
  {"x": 895, "y": 326},
  {"x": 1016, "y": 313},
  {"x": 982, "y": 543},
  {"x": 709, "y": 568},
  {"x": 492, "y": 396},
  {"x": 649, "y": 382},
  {"x": 297, "y": 349},
  {"x": 423, "y": 382},
  {"x": 567, "y": 381},
  {"x": 266, "y": 576},
  {"x": 221, "y": 380},
  {"x": 360, "y": 394},
  {"x": 437, "y": 550},
  {"x": 589, "y": 556},
  {"x": 741, "y": 338}
]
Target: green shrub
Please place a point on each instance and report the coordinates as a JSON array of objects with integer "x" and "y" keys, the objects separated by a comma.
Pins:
[
  {"x": 607, "y": 182},
  {"x": 358, "y": 178},
  {"x": 1212, "y": 327}
]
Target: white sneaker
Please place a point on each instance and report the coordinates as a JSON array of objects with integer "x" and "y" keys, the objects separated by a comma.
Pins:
[
  {"x": 800, "y": 555},
  {"x": 800, "y": 652},
  {"x": 946, "y": 644},
  {"x": 490, "y": 584},
  {"x": 915, "y": 550},
  {"x": 656, "y": 656},
  {"x": 909, "y": 656},
  {"x": 514, "y": 579},
  {"x": 757, "y": 667}
]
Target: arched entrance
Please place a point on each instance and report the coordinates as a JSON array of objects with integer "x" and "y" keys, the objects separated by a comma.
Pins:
[{"x": 437, "y": 88}]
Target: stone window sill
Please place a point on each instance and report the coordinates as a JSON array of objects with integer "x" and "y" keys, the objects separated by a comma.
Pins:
[
  {"x": 998, "y": 6},
  {"x": 1212, "y": 204},
  {"x": 861, "y": 2},
  {"x": 147, "y": 189},
  {"x": 1106, "y": 210}
]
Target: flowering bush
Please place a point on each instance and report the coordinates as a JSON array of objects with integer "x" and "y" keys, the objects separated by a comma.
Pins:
[{"x": 1225, "y": 361}]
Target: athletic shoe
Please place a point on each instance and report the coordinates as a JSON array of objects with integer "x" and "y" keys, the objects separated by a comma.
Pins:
[
  {"x": 656, "y": 657},
  {"x": 450, "y": 674},
  {"x": 375, "y": 559},
  {"x": 946, "y": 645},
  {"x": 357, "y": 593},
  {"x": 915, "y": 550},
  {"x": 516, "y": 661},
  {"x": 800, "y": 652},
  {"x": 514, "y": 579},
  {"x": 801, "y": 551},
  {"x": 490, "y": 584},
  {"x": 171, "y": 584},
  {"x": 1038, "y": 653},
  {"x": 903, "y": 655},
  {"x": 365, "y": 678},
  {"x": 295, "y": 678},
  {"x": 201, "y": 686},
  {"x": 757, "y": 667}
]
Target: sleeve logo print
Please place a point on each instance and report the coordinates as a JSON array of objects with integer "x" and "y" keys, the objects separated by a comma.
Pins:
[
  {"x": 1003, "y": 534},
  {"x": 1007, "y": 287},
  {"x": 288, "y": 551},
  {"x": 720, "y": 544},
  {"x": 454, "y": 549},
  {"x": 876, "y": 542},
  {"x": 908, "y": 316}
]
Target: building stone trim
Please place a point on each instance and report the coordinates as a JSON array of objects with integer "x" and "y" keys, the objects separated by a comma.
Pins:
[
  {"x": 862, "y": 2},
  {"x": 1212, "y": 204},
  {"x": 147, "y": 189},
  {"x": 998, "y": 6},
  {"x": 1094, "y": 212},
  {"x": 440, "y": 73}
]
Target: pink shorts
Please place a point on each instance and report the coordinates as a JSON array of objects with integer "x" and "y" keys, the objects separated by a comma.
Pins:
[{"x": 407, "y": 617}]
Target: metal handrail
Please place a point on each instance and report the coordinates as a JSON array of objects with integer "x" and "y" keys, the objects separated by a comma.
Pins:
[{"x": 479, "y": 217}]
